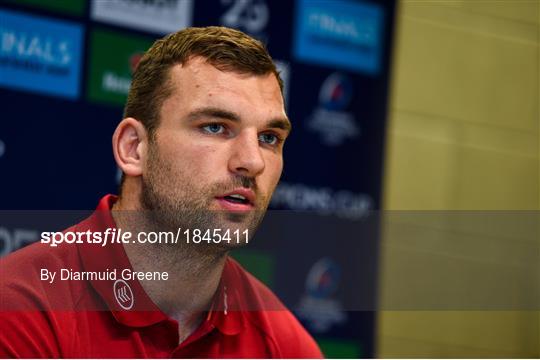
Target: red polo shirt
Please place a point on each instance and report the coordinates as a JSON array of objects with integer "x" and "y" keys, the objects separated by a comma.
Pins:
[{"x": 111, "y": 319}]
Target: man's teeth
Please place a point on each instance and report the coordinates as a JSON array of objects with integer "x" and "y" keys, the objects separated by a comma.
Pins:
[
  {"x": 237, "y": 198},
  {"x": 240, "y": 197}
]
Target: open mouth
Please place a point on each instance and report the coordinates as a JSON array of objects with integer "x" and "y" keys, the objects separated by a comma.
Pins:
[
  {"x": 240, "y": 199},
  {"x": 236, "y": 199}
]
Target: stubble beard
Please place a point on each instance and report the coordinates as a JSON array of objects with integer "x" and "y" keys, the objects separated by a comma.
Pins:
[{"x": 172, "y": 201}]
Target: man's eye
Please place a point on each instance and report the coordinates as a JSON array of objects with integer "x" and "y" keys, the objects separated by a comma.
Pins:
[
  {"x": 269, "y": 139},
  {"x": 214, "y": 128}
]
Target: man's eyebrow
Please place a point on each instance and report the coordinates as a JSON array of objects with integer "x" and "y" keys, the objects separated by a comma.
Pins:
[
  {"x": 283, "y": 124},
  {"x": 214, "y": 112}
]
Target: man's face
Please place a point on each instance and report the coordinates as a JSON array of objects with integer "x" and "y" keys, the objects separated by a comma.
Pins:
[{"x": 217, "y": 154}]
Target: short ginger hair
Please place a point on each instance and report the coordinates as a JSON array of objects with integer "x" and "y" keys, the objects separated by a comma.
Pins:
[{"x": 224, "y": 48}]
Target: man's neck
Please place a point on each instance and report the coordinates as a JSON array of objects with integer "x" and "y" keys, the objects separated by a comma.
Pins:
[{"x": 193, "y": 274}]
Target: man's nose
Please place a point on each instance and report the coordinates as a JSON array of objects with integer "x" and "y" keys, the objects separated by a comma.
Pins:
[{"x": 246, "y": 157}]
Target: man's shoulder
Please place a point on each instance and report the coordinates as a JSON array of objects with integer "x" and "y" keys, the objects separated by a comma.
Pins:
[
  {"x": 29, "y": 326},
  {"x": 266, "y": 312}
]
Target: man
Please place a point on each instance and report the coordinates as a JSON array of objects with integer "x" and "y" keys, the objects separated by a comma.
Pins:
[{"x": 200, "y": 147}]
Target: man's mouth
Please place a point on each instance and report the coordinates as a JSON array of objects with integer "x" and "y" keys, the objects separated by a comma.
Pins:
[{"x": 237, "y": 200}]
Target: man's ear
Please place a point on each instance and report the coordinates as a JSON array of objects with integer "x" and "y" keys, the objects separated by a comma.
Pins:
[{"x": 130, "y": 142}]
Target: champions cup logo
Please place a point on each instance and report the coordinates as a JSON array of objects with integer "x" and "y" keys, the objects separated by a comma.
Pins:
[
  {"x": 330, "y": 119},
  {"x": 123, "y": 294},
  {"x": 336, "y": 92},
  {"x": 323, "y": 278},
  {"x": 318, "y": 307}
]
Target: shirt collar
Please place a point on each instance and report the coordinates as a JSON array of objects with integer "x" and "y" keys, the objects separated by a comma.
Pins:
[
  {"x": 126, "y": 299},
  {"x": 225, "y": 313},
  {"x": 139, "y": 310}
]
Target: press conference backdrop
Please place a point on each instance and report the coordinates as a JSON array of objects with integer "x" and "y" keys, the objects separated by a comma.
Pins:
[{"x": 65, "y": 70}]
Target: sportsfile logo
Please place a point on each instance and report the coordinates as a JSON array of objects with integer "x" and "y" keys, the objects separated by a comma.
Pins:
[
  {"x": 342, "y": 33},
  {"x": 159, "y": 16},
  {"x": 39, "y": 55},
  {"x": 330, "y": 119}
]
